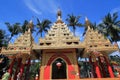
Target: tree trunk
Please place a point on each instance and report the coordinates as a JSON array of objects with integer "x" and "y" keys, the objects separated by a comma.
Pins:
[
  {"x": 74, "y": 30},
  {"x": 41, "y": 35}
]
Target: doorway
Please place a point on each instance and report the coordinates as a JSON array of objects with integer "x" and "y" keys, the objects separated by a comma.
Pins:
[{"x": 59, "y": 69}]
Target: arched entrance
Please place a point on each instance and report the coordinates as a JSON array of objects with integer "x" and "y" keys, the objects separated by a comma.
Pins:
[
  {"x": 59, "y": 69},
  {"x": 69, "y": 68}
]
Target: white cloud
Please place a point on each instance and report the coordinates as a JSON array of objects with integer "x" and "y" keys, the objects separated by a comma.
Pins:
[
  {"x": 41, "y": 6},
  {"x": 115, "y": 10}
]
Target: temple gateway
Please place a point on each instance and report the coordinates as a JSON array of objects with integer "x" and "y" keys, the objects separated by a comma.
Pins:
[{"x": 59, "y": 51}]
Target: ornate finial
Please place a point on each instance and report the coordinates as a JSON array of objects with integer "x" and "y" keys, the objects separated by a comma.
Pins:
[
  {"x": 30, "y": 25},
  {"x": 59, "y": 14},
  {"x": 87, "y": 23}
]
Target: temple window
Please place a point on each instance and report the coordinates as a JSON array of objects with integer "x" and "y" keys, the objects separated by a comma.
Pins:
[
  {"x": 64, "y": 34},
  {"x": 41, "y": 43},
  {"x": 54, "y": 28},
  {"x": 75, "y": 42},
  {"x": 48, "y": 43},
  {"x": 67, "y": 38},
  {"x": 90, "y": 46},
  {"x": 106, "y": 45},
  {"x": 95, "y": 45},
  {"x": 69, "y": 42},
  {"x": 53, "y": 34},
  {"x": 68, "y": 34}
]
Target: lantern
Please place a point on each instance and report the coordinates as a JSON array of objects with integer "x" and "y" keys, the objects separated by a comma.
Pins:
[{"x": 58, "y": 64}]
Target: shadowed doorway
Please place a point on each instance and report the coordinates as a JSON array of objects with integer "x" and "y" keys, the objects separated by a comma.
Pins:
[{"x": 59, "y": 69}]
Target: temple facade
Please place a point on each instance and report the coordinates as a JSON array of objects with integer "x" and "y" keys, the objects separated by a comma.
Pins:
[{"x": 59, "y": 51}]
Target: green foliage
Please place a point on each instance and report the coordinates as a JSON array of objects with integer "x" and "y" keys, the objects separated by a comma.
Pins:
[
  {"x": 110, "y": 27},
  {"x": 3, "y": 38},
  {"x": 4, "y": 64},
  {"x": 116, "y": 59},
  {"x": 34, "y": 69},
  {"x": 14, "y": 29},
  {"x": 73, "y": 21},
  {"x": 43, "y": 26},
  {"x": 24, "y": 27}
]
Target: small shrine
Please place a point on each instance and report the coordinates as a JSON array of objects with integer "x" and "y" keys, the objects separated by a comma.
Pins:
[{"x": 59, "y": 51}]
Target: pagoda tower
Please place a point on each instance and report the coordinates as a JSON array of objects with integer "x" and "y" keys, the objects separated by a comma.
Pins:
[
  {"x": 58, "y": 49},
  {"x": 20, "y": 52}
]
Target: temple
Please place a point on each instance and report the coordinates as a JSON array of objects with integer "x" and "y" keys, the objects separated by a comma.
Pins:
[{"x": 59, "y": 52}]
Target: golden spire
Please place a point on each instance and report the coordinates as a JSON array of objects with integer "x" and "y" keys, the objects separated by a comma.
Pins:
[
  {"x": 87, "y": 22},
  {"x": 30, "y": 25},
  {"x": 59, "y": 14}
]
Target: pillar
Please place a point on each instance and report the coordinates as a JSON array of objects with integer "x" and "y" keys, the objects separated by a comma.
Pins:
[
  {"x": 93, "y": 68},
  {"x": 18, "y": 67},
  {"x": 102, "y": 67},
  {"x": 97, "y": 70},
  {"x": 109, "y": 68},
  {"x": 22, "y": 68},
  {"x": 10, "y": 68},
  {"x": 27, "y": 70}
]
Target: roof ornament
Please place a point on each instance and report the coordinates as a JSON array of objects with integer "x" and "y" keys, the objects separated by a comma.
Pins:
[
  {"x": 30, "y": 25},
  {"x": 59, "y": 14},
  {"x": 87, "y": 22}
]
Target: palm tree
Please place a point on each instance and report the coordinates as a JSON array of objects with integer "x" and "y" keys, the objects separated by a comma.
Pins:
[
  {"x": 13, "y": 29},
  {"x": 25, "y": 27},
  {"x": 43, "y": 26},
  {"x": 110, "y": 27},
  {"x": 73, "y": 21}
]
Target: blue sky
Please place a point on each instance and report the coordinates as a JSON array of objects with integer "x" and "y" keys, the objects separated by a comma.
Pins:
[{"x": 19, "y": 10}]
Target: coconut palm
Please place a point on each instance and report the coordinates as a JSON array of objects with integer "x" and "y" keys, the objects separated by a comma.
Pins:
[
  {"x": 25, "y": 27},
  {"x": 110, "y": 27},
  {"x": 73, "y": 21},
  {"x": 13, "y": 29},
  {"x": 43, "y": 26}
]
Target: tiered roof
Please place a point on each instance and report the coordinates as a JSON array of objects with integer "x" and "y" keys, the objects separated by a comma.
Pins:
[
  {"x": 95, "y": 41},
  {"x": 22, "y": 45},
  {"x": 59, "y": 36}
]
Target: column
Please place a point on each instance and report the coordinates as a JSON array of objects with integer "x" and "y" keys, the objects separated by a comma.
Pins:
[
  {"x": 102, "y": 67},
  {"x": 91, "y": 73},
  {"x": 18, "y": 67},
  {"x": 21, "y": 70},
  {"x": 97, "y": 69},
  {"x": 10, "y": 68},
  {"x": 27, "y": 70},
  {"x": 109, "y": 68}
]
